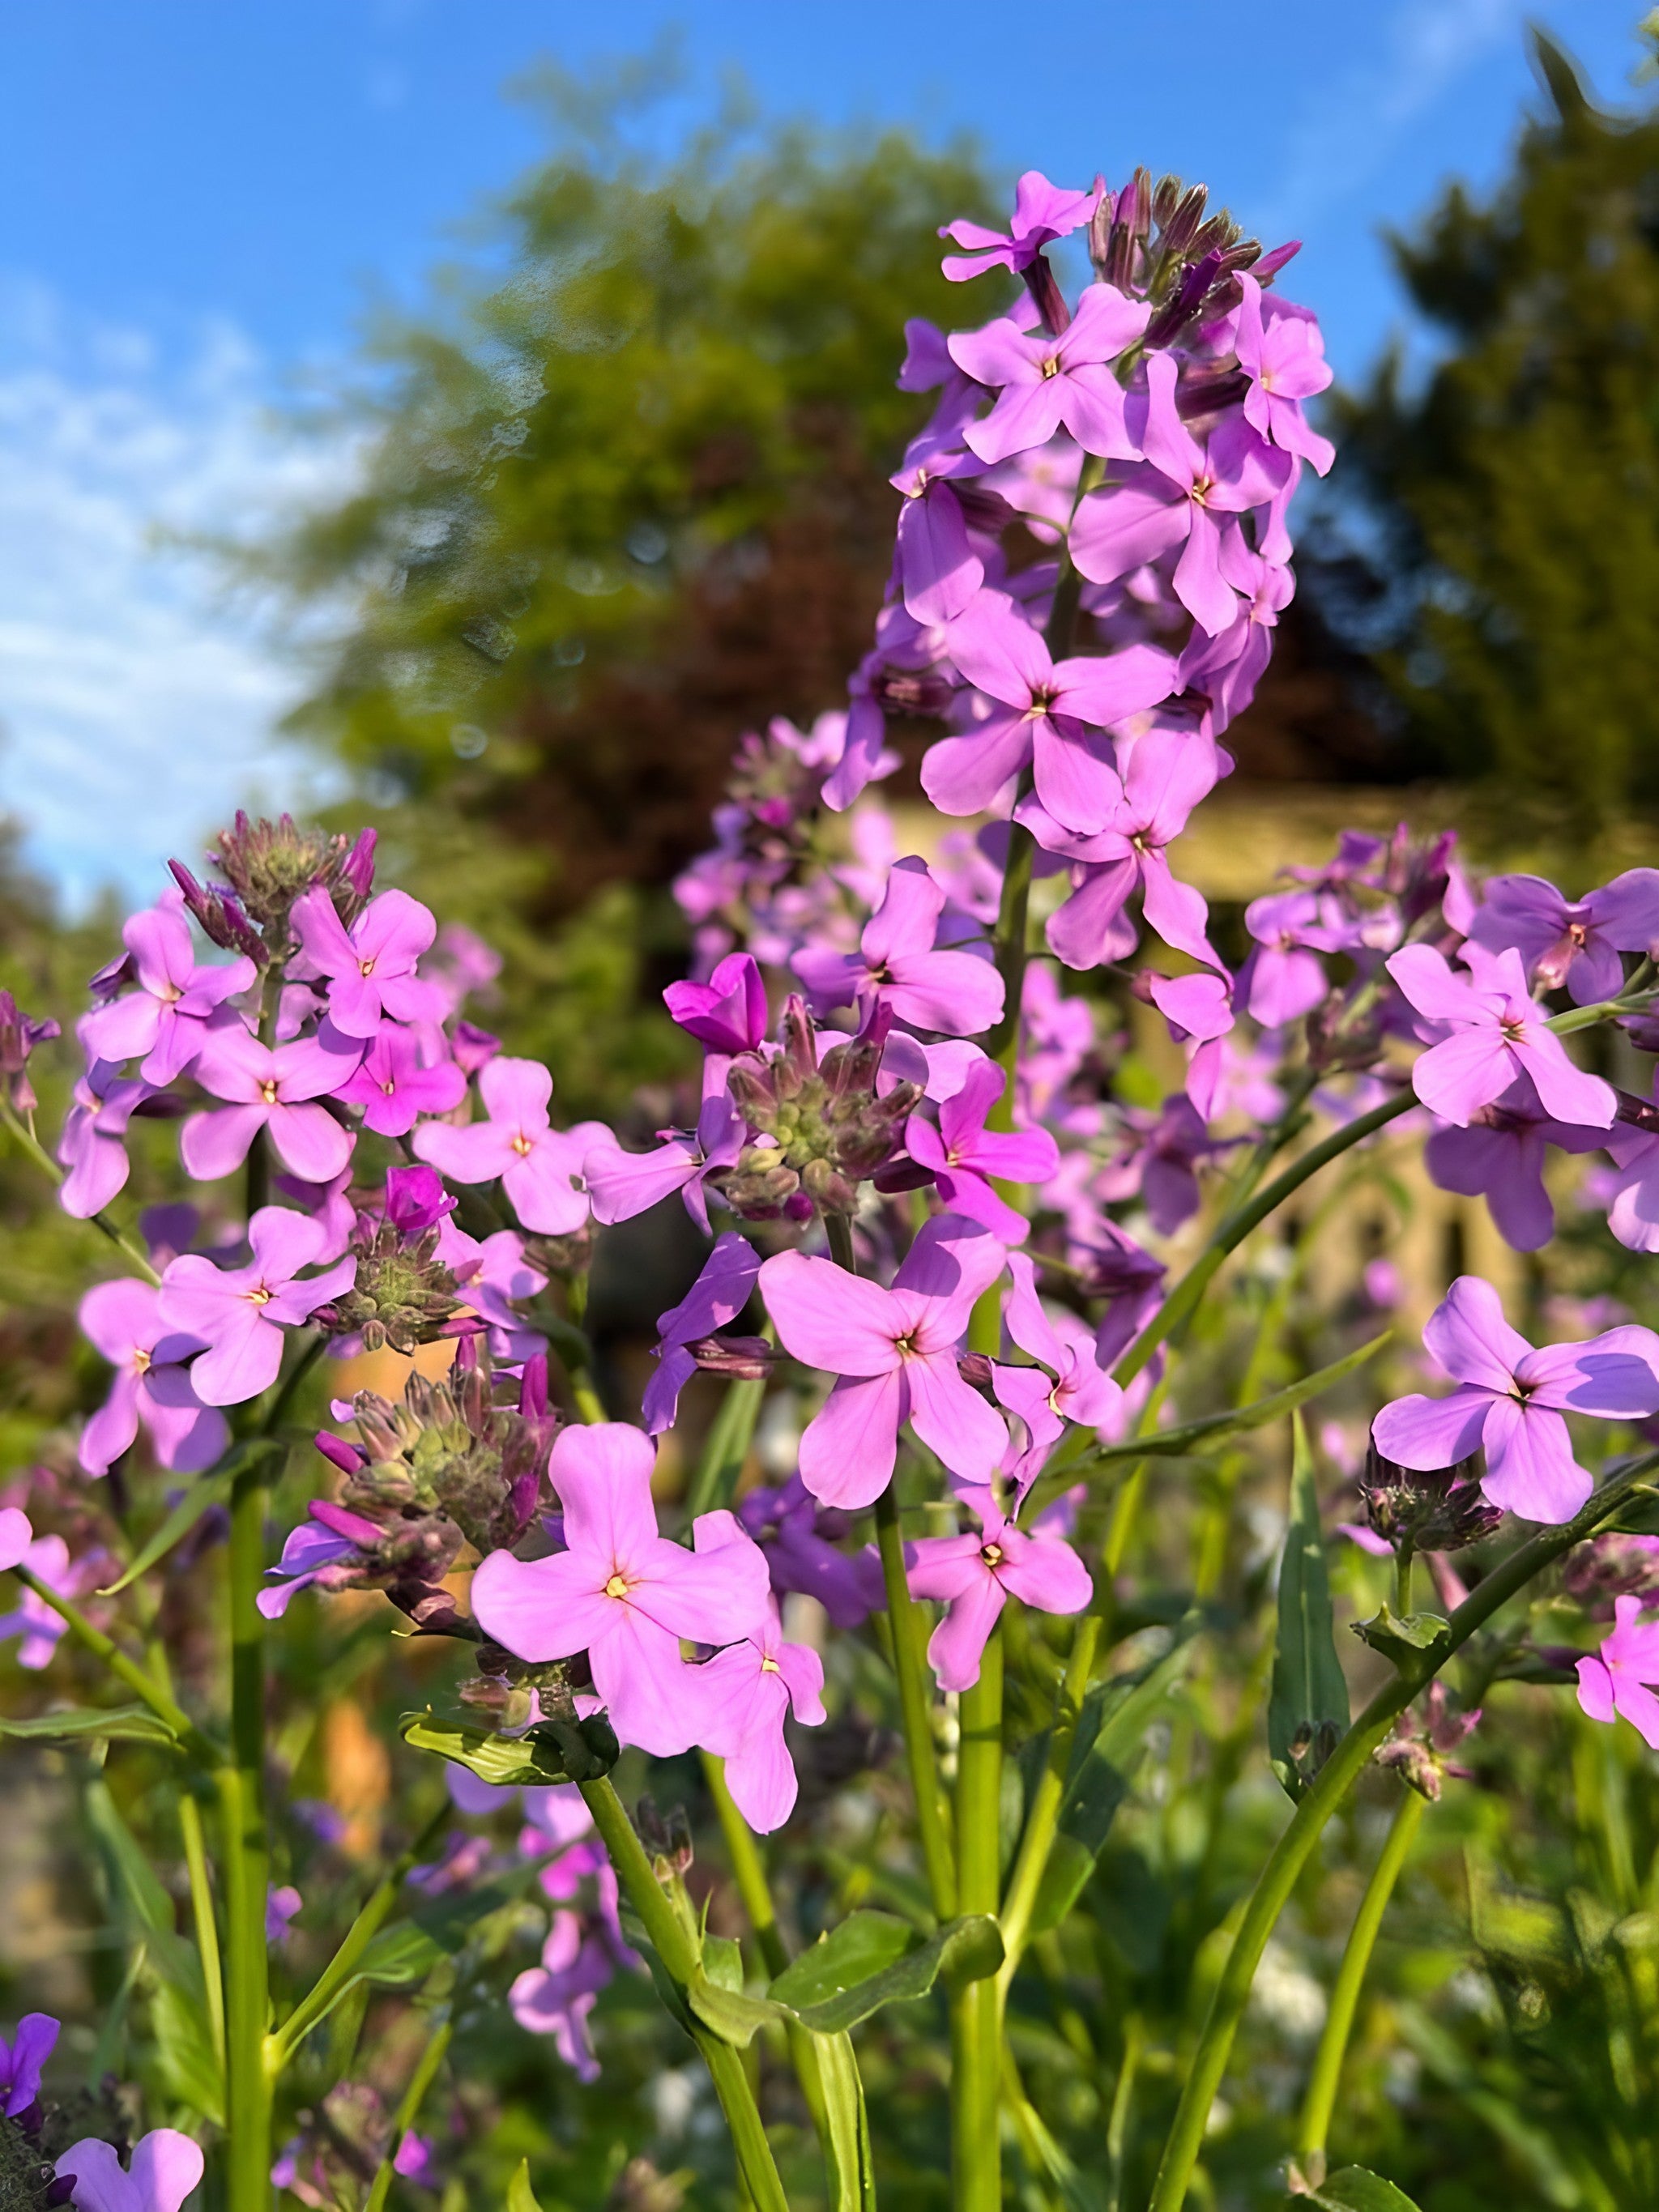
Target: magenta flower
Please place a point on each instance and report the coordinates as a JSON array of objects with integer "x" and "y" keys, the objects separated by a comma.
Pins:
[
  {"x": 963, "y": 1154},
  {"x": 1165, "y": 775},
  {"x": 1285, "y": 977},
  {"x": 494, "y": 1277},
  {"x": 164, "y": 1021},
  {"x": 1500, "y": 1155},
  {"x": 1281, "y": 350},
  {"x": 1159, "y": 1165},
  {"x": 22, "y": 2061},
  {"x": 394, "y": 1088},
  {"x": 975, "y": 1576},
  {"x": 1225, "y": 668},
  {"x": 1616, "y": 1679},
  {"x": 714, "y": 1300},
  {"x": 1562, "y": 940},
  {"x": 1045, "y": 715},
  {"x": 415, "y": 1201},
  {"x": 281, "y": 1905},
  {"x": 1184, "y": 495},
  {"x": 164, "y": 2167},
  {"x": 36, "y": 1623},
  {"x": 789, "y": 1524},
  {"x": 332, "y": 1536},
  {"x": 21, "y": 1034},
  {"x": 277, "y": 1089},
  {"x": 1510, "y": 1400},
  {"x": 1042, "y": 212},
  {"x": 16, "y": 1536},
  {"x": 1045, "y": 383},
  {"x": 1496, "y": 1034},
  {"x": 556, "y": 1997},
  {"x": 939, "y": 571},
  {"x": 1075, "y": 1386},
  {"x": 540, "y": 1167},
  {"x": 370, "y": 969},
  {"x": 621, "y": 1592},
  {"x": 895, "y": 1352},
  {"x": 750, "y": 1690},
  {"x": 622, "y": 1184},
  {"x": 240, "y": 1313},
  {"x": 728, "y": 1012},
  {"x": 123, "y": 1321},
  {"x": 91, "y": 1147},
  {"x": 897, "y": 966}
]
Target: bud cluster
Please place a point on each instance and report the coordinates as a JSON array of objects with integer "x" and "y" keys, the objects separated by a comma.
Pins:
[
  {"x": 404, "y": 1294},
  {"x": 266, "y": 867},
  {"x": 829, "y": 1130},
  {"x": 1441, "y": 1511}
]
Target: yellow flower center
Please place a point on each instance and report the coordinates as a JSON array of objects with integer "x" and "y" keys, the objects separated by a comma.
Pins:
[
  {"x": 365, "y": 967},
  {"x": 140, "y": 1361},
  {"x": 616, "y": 1586},
  {"x": 259, "y": 1296},
  {"x": 268, "y": 1091},
  {"x": 523, "y": 1145},
  {"x": 770, "y": 1667},
  {"x": 992, "y": 1555}
]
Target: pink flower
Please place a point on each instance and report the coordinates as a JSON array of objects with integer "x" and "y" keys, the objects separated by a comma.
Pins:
[
  {"x": 273, "y": 1089},
  {"x": 1511, "y": 1398},
  {"x": 1076, "y": 1387},
  {"x": 540, "y": 1167},
  {"x": 728, "y": 1012},
  {"x": 91, "y": 1146},
  {"x": 716, "y": 1298},
  {"x": 976, "y": 1575},
  {"x": 165, "y": 1019},
  {"x": 896, "y": 1354},
  {"x": 1044, "y": 383},
  {"x": 240, "y": 1313},
  {"x": 370, "y": 969},
  {"x": 958, "y": 994},
  {"x": 394, "y": 1088},
  {"x": 556, "y": 1998},
  {"x": 963, "y": 1154},
  {"x": 1043, "y": 211},
  {"x": 1577, "y": 942},
  {"x": 164, "y": 2168},
  {"x": 1615, "y": 1680},
  {"x": 623, "y": 1184},
  {"x": 1046, "y": 714},
  {"x": 47, "y": 1558},
  {"x": 750, "y": 1690},
  {"x": 1281, "y": 350},
  {"x": 123, "y": 1321},
  {"x": 621, "y": 1592},
  {"x": 1494, "y": 1031},
  {"x": 492, "y": 1276}
]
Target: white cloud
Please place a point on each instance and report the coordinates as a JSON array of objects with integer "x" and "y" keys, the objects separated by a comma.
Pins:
[{"x": 138, "y": 701}]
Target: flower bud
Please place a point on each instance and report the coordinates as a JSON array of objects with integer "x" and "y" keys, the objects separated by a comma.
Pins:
[
  {"x": 220, "y": 916},
  {"x": 20, "y": 1033},
  {"x": 744, "y": 1358},
  {"x": 1440, "y": 1510},
  {"x": 403, "y": 1295}
]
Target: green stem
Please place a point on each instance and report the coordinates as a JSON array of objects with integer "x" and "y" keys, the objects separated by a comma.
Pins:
[
  {"x": 975, "y": 2007},
  {"x": 49, "y": 1167},
  {"x": 915, "y": 1709},
  {"x": 1290, "y": 1854},
  {"x": 202, "y": 1749},
  {"x": 1043, "y": 1817},
  {"x": 203, "y": 1919},
  {"x": 838, "y": 1230},
  {"x": 247, "y": 1856},
  {"x": 409, "y": 2112},
  {"x": 1123, "y": 2092},
  {"x": 1402, "y": 1579},
  {"x": 1326, "y": 2074},
  {"x": 672, "y": 1941}
]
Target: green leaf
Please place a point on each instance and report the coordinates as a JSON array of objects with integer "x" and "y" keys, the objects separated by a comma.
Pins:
[
  {"x": 864, "y": 1944},
  {"x": 852, "y": 2167},
  {"x": 531, "y": 1761},
  {"x": 404, "y": 1954},
  {"x": 1402, "y": 1637},
  {"x": 967, "y": 1950},
  {"x": 520, "y": 2197},
  {"x": 846, "y": 1976},
  {"x": 726, "y": 1446},
  {"x": 1357, "y": 2190},
  {"x": 1307, "y": 1707},
  {"x": 133, "y": 1881},
  {"x": 87, "y": 1724},
  {"x": 183, "y": 2047},
  {"x": 722, "y": 1961},
  {"x": 205, "y": 1492}
]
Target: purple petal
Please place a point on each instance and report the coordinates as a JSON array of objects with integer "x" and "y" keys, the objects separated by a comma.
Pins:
[
  {"x": 1469, "y": 1336},
  {"x": 956, "y": 1645},
  {"x": 827, "y": 1318},
  {"x": 602, "y": 1475},
  {"x": 1530, "y": 1468},
  {"x": 1432, "y": 1432},
  {"x": 847, "y": 1450}
]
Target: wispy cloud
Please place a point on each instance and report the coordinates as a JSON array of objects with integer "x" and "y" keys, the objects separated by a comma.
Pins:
[
  {"x": 137, "y": 703},
  {"x": 1351, "y": 124}
]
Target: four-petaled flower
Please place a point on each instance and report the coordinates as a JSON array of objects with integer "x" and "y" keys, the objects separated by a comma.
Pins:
[
  {"x": 1043, "y": 211},
  {"x": 1577, "y": 942},
  {"x": 163, "y": 1022},
  {"x": 240, "y": 1313},
  {"x": 394, "y": 1088},
  {"x": 956, "y": 993},
  {"x": 1617, "y": 1679},
  {"x": 975, "y": 1576},
  {"x": 275, "y": 1088},
  {"x": 122, "y": 1320},
  {"x": 1044, "y": 383},
  {"x": 370, "y": 969},
  {"x": 1075, "y": 1386},
  {"x": 1496, "y": 1032},
  {"x": 963, "y": 1154},
  {"x": 540, "y": 1166}
]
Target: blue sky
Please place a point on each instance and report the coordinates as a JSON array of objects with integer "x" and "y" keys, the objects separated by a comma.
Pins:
[{"x": 202, "y": 200}]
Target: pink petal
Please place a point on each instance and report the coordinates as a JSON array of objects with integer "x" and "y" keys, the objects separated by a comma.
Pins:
[
  {"x": 516, "y": 1092},
  {"x": 957, "y": 1645},
  {"x": 164, "y": 2167},
  {"x": 1639, "y": 1707},
  {"x": 963, "y": 776},
  {"x": 213, "y": 1144},
  {"x": 998, "y": 651},
  {"x": 602, "y": 1475},
  {"x": 1467, "y": 1334},
  {"x": 761, "y": 1774},
  {"x": 1530, "y": 1468},
  {"x": 478, "y": 1153},
  {"x": 243, "y": 1359},
  {"x": 621, "y": 1185},
  {"x": 1432, "y": 1432},
  {"x": 711, "y": 1595},
  {"x": 1044, "y": 1571},
  {"x": 847, "y": 1451},
  {"x": 1430, "y": 986},
  {"x": 1025, "y": 416},
  {"x": 1564, "y": 1090},
  {"x": 1464, "y": 1072},
  {"x": 956, "y": 993},
  {"x": 651, "y": 1693},
  {"x": 1613, "y": 1375},
  {"x": 547, "y": 1189},
  {"x": 111, "y": 1430},
  {"x": 188, "y": 1436},
  {"x": 951, "y": 1264},
  {"x": 307, "y": 1139},
  {"x": 953, "y": 1420},
  {"x": 827, "y": 1318},
  {"x": 1595, "y": 1690},
  {"x": 541, "y": 1609}
]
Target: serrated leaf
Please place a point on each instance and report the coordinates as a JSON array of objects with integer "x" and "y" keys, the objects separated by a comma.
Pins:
[
  {"x": 1402, "y": 1637},
  {"x": 520, "y": 2197},
  {"x": 1308, "y": 1705},
  {"x": 1356, "y": 2189},
  {"x": 84, "y": 1724}
]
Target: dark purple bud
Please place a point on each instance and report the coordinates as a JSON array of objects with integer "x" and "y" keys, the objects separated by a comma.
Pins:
[
  {"x": 1173, "y": 316},
  {"x": 20, "y": 1033},
  {"x": 111, "y": 977},
  {"x": 1270, "y": 264},
  {"x": 896, "y": 1176},
  {"x": 345, "y": 1456},
  {"x": 472, "y": 1047},
  {"x": 416, "y": 1199},
  {"x": 1639, "y": 1113},
  {"x": 1050, "y": 301},
  {"x": 220, "y": 914},
  {"x": 357, "y": 869},
  {"x": 533, "y": 1387},
  {"x": 352, "y": 1526},
  {"x": 975, "y": 1371},
  {"x": 744, "y": 1358},
  {"x": 1642, "y": 1031},
  {"x": 911, "y": 691}
]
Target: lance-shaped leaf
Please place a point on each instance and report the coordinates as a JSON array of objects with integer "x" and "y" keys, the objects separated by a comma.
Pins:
[
  {"x": 206, "y": 1492},
  {"x": 1307, "y": 1707},
  {"x": 91, "y": 1724},
  {"x": 520, "y": 2197},
  {"x": 730, "y": 1435},
  {"x": 874, "y": 1959},
  {"x": 1356, "y": 2189}
]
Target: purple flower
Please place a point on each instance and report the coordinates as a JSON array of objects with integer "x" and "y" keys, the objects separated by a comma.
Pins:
[
  {"x": 1076, "y": 1388},
  {"x": 621, "y": 1592},
  {"x": 164, "y": 2168},
  {"x": 896, "y": 965},
  {"x": 788, "y": 1524},
  {"x": 240, "y": 1313},
  {"x": 750, "y": 1690},
  {"x": 415, "y": 1201},
  {"x": 47, "y": 1558},
  {"x": 370, "y": 969},
  {"x": 1496, "y": 1033},
  {"x": 1045, "y": 715},
  {"x": 728, "y": 1012},
  {"x": 963, "y": 1154},
  {"x": 494, "y": 1277},
  {"x": 540, "y": 1167},
  {"x": 20, "y": 1033},
  {"x": 413, "y": 2158},
  {"x": 331, "y": 1535},
  {"x": 1281, "y": 350},
  {"x": 622, "y": 1184},
  {"x": 1159, "y": 1165},
  {"x": 1184, "y": 495},
  {"x": 1511, "y": 1398},
  {"x": 1575, "y": 943},
  {"x": 896, "y": 1353},
  {"x": 91, "y": 1147},
  {"x": 1042, "y": 212},
  {"x": 1285, "y": 978},
  {"x": 1500, "y": 1156},
  {"x": 1225, "y": 668},
  {"x": 556, "y": 1998},
  {"x": 22, "y": 2060},
  {"x": 713, "y": 1301},
  {"x": 165, "y": 1019},
  {"x": 1616, "y": 1679},
  {"x": 1165, "y": 776},
  {"x": 123, "y": 1321},
  {"x": 394, "y": 1088},
  {"x": 281, "y": 1905},
  {"x": 939, "y": 571},
  {"x": 275, "y": 1088},
  {"x": 975, "y": 1575},
  {"x": 1044, "y": 383}
]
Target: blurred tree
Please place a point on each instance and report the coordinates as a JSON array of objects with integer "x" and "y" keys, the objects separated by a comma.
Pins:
[
  {"x": 628, "y": 497},
  {"x": 1497, "y": 521}
]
